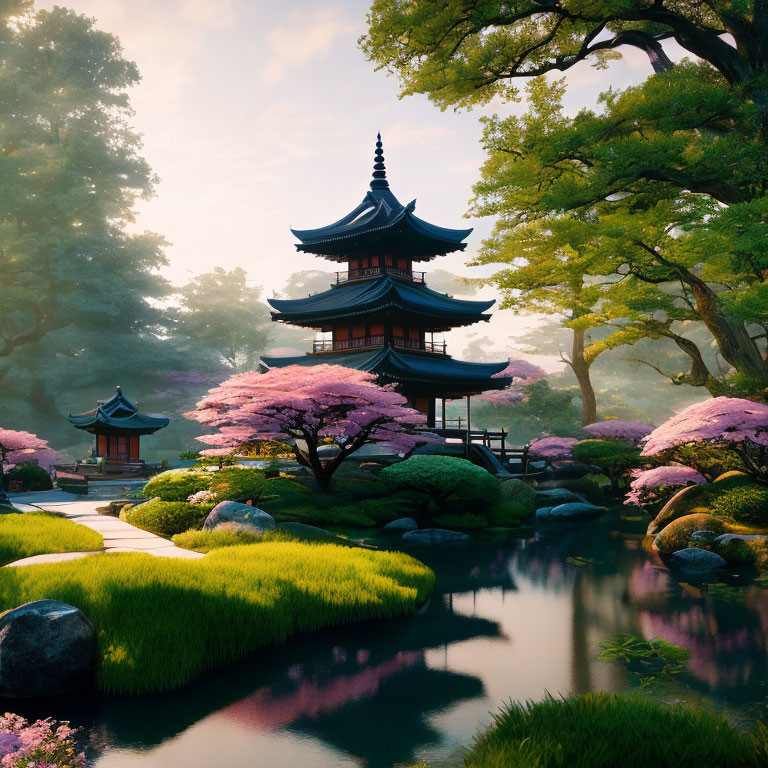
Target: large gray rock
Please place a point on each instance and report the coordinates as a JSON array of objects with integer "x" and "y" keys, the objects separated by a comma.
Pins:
[
  {"x": 239, "y": 517},
  {"x": 552, "y": 497},
  {"x": 46, "y": 648},
  {"x": 693, "y": 498},
  {"x": 402, "y": 524},
  {"x": 698, "y": 560},
  {"x": 433, "y": 536},
  {"x": 573, "y": 512}
]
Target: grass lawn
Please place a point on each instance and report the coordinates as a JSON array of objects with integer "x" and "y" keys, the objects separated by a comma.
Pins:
[
  {"x": 162, "y": 622},
  {"x": 38, "y": 533},
  {"x": 611, "y": 731}
]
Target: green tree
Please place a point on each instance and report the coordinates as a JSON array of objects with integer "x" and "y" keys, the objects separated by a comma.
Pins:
[{"x": 221, "y": 313}]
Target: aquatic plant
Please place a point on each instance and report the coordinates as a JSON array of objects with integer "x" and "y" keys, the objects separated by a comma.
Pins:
[
  {"x": 162, "y": 622},
  {"x": 38, "y": 533},
  {"x": 656, "y": 486},
  {"x": 612, "y": 731},
  {"x": 648, "y": 660},
  {"x": 42, "y": 744},
  {"x": 332, "y": 405}
]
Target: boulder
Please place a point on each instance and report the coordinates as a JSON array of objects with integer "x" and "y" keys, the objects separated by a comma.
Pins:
[
  {"x": 240, "y": 517},
  {"x": 555, "y": 496},
  {"x": 434, "y": 536},
  {"x": 684, "y": 502},
  {"x": 723, "y": 537},
  {"x": 735, "y": 550},
  {"x": 698, "y": 560},
  {"x": 46, "y": 648},
  {"x": 573, "y": 512},
  {"x": 678, "y": 533},
  {"x": 703, "y": 537},
  {"x": 402, "y": 524}
]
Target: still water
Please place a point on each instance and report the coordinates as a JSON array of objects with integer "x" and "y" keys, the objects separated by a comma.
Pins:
[{"x": 510, "y": 619}]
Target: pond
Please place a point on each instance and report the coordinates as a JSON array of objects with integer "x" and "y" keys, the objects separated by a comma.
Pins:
[{"x": 510, "y": 619}]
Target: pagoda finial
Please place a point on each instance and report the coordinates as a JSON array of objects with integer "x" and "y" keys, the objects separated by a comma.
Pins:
[{"x": 379, "y": 180}]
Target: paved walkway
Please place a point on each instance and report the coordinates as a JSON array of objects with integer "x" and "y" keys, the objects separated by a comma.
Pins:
[{"x": 118, "y": 535}]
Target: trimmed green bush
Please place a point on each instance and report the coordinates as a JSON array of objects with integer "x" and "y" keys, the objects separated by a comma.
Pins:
[
  {"x": 611, "y": 731},
  {"x": 38, "y": 533},
  {"x": 615, "y": 458},
  {"x": 509, "y": 514},
  {"x": 747, "y": 504},
  {"x": 31, "y": 476},
  {"x": 677, "y": 535},
  {"x": 238, "y": 484},
  {"x": 177, "y": 484},
  {"x": 447, "y": 484},
  {"x": 162, "y": 622},
  {"x": 205, "y": 541},
  {"x": 167, "y": 518}
]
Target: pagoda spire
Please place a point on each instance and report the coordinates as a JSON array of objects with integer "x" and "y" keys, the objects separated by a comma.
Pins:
[{"x": 379, "y": 180}]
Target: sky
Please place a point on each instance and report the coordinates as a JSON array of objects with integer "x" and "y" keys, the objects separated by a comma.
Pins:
[{"x": 258, "y": 116}]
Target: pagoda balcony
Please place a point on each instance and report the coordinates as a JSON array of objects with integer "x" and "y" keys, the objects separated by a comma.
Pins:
[
  {"x": 366, "y": 272},
  {"x": 330, "y": 345}
]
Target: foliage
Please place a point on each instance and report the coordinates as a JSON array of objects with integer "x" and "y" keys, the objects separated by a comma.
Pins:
[
  {"x": 511, "y": 513},
  {"x": 207, "y": 541},
  {"x": 648, "y": 660},
  {"x": 523, "y": 374},
  {"x": 166, "y": 518},
  {"x": 448, "y": 483},
  {"x": 615, "y": 458},
  {"x": 326, "y": 515},
  {"x": 31, "y": 476},
  {"x": 238, "y": 484},
  {"x": 552, "y": 448},
  {"x": 748, "y": 505},
  {"x": 220, "y": 311},
  {"x": 41, "y": 744},
  {"x": 654, "y": 487},
  {"x": 24, "y": 448},
  {"x": 38, "y": 533},
  {"x": 587, "y": 730},
  {"x": 677, "y": 535},
  {"x": 334, "y": 406},
  {"x": 162, "y": 622},
  {"x": 629, "y": 431},
  {"x": 460, "y": 521},
  {"x": 177, "y": 484}
]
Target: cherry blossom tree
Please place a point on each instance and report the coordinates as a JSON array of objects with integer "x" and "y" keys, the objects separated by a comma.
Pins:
[
  {"x": 522, "y": 373},
  {"x": 656, "y": 486},
  {"x": 307, "y": 408},
  {"x": 730, "y": 424},
  {"x": 630, "y": 431},
  {"x": 22, "y": 448},
  {"x": 552, "y": 448}
]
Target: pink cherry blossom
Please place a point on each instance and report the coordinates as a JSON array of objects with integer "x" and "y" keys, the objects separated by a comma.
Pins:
[
  {"x": 631, "y": 431},
  {"x": 306, "y": 407},
  {"x": 647, "y": 484},
  {"x": 24, "y": 448},
  {"x": 552, "y": 447},
  {"x": 522, "y": 374}
]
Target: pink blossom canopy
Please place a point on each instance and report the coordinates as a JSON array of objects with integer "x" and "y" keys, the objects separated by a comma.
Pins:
[
  {"x": 632, "y": 431},
  {"x": 553, "y": 447},
  {"x": 647, "y": 479},
  {"x": 522, "y": 374},
  {"x": 25, "y": 448},
  {"x": 719, "y": 420},
  {"x": 325, "y": 401}
]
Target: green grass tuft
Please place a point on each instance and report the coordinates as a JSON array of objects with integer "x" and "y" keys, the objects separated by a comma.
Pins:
[
  {"x": 39, "y": 533},
  {"x": 205, "y": 541},
  {"x": 611, "y": 731},
  {"x": 166, "y": 518},
  {"x": 162, "y": 622}
]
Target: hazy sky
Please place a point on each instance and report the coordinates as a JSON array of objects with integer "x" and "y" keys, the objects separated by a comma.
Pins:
[{"x": 258, "y": 116}]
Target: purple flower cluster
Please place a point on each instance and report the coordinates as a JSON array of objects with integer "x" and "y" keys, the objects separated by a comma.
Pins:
[
  {"x": 649, "y": 485},
  {"x": 42, "y": 744},
  {"x": 631, "y": 431},
  {"x": 716, "y": 421},
  {"x": 552, "y": 447}
]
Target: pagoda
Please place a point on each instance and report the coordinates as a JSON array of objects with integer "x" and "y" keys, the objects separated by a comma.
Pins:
[
  {"x": 380, "y": 316},
  {"x": 117, "y": 426}
]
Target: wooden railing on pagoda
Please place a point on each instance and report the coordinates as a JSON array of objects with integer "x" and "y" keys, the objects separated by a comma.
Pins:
[
  {"x": 331, "y": 345},
  {"x": 366, "y": 272}
]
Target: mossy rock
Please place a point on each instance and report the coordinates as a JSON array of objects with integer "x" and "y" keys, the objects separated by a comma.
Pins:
[
  {"x": 736, "y": 552},
  {"x": 691, "y": 500},
  {"x": 677, "y": 534},
  {"x": 734, "y": 479}
]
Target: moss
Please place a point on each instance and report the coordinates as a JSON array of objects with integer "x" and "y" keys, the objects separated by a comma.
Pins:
[
  {"x": 735, "y": 552},
  {"x": 677, "y": 535},
  {"x": 167, "y": 518},
  {"x": 177, "y": 484},
  {"x": 601, "y": 729},
  {"x": 743, "y": 504}
]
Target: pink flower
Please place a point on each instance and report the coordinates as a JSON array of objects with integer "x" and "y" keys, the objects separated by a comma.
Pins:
[
  {"x": 24, "y": 448},
  {"x": 631, "y": 431}
]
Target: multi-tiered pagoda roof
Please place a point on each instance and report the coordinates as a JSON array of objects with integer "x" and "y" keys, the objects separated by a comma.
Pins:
[{"x": 118, "y": 415}]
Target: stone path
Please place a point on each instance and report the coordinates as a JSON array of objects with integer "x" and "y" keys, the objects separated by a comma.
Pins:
[{"x": 118, "y": 535}]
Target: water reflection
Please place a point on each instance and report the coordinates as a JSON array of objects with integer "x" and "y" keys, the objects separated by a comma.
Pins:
[{"x": 509, "y": 619}]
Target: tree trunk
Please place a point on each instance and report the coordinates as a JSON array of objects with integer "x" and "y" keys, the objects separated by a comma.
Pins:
[{"x": 581, "y": 372}]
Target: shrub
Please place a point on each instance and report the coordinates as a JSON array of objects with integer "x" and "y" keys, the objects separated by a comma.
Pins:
[
  {"x": 177, "y": 484},
  {"x": 747, "y": 504},
  {"x": 461, "y": 522},
  {"x": 677, "y": 535},
  {"x": 205, "y": 541},
  {"x": 611, "y": 731},
  {"x": 238, "y": 484},
  {"x": 38, "y": 533},
  {"x": 161, "y": 622},
  {"x": 44, "y": 743},
  {"x": 31, "y": 476},
  {"x": 509, "y": 514},
  {"x": 328, "y": 516},
  {"x": 166, "y": 518},
  {"x": 447, "y": 482},
  {"x": 615, "y": 458}
]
